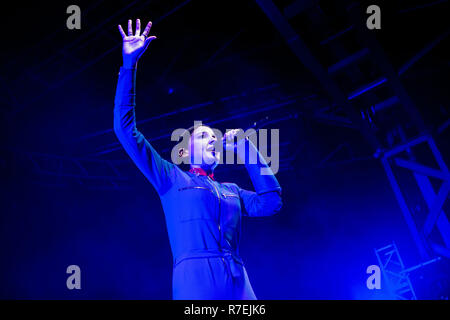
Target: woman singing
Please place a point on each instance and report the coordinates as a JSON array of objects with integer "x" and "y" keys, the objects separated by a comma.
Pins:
[{"x": 203, "y": 216}]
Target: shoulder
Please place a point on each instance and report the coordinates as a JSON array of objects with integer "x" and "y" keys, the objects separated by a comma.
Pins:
[{"x": 231, "y": 186}]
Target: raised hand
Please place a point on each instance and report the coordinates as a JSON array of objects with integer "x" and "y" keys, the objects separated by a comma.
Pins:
[{"x": 135, "y": 45}]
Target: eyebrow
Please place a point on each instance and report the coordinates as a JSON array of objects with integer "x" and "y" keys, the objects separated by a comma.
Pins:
[{"x": 202, "y": 132}]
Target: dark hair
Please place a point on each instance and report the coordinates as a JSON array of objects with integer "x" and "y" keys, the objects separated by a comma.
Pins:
[
  {"x": 184, "y": 166},
  {"x": 191, "y": 130}
]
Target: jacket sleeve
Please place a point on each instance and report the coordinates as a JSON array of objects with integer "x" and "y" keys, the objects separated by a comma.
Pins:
[
  {"x": 266, "y": 199},
  {"x": 260, "y": 205},
  {"x": 158, "y": 171}
]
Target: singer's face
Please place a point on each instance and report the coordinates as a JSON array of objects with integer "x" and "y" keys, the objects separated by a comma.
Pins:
[{"x": 202, "y": 148}]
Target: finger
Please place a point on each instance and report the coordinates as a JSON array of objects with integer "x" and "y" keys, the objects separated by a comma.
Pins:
[
  {"x": 138, "y": 27},
  {"x": 147, "y": 28},
  {"x": 122, "y": 33},
  {"x": 148, "y": 40},
  {"x": 130, "y": 28}
]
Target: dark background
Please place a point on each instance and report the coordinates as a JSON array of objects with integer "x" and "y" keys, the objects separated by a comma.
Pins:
[{"x": 70, "y": 195}]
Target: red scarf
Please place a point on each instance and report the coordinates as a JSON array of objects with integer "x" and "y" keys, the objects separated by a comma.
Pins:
[{"x": 201, "y": 172}]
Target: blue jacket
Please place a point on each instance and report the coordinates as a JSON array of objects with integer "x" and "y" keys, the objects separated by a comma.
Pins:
[{"x": 203, "y": 216}]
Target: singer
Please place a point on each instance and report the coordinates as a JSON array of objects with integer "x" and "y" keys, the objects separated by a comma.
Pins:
[{"x": 203, "y": 216}]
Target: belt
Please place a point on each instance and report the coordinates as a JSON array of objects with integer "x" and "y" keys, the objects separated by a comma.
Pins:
[{"x": 224, "y": 254}]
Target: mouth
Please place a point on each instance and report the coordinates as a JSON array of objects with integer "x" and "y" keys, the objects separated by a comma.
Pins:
[{"x": 212, "y": 150}]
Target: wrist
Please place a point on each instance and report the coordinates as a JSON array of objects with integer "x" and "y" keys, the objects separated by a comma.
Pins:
[{"x": 129, "y": 63}]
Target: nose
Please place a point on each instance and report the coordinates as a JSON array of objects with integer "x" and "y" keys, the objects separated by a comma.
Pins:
[{"x": 214, "y": 139}]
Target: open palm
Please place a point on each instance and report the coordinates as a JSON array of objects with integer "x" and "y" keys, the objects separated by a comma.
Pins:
[{"x": 135, "y": 45}]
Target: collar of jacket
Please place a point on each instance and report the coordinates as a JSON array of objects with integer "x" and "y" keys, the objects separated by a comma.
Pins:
[{"x": 201, "y": 172}]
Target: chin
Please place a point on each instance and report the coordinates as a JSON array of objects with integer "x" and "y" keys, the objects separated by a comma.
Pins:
[{"x": 212, "y": 161}]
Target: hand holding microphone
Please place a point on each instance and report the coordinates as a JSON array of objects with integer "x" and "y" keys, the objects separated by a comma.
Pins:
[{"x": 228, "y": 139}]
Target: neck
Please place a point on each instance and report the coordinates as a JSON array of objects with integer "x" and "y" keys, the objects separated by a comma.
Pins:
[{"x": 209, "y": 170}]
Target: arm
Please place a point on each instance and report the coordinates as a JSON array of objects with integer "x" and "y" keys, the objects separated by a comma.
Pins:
[
  {"x": 260, "y": 205},
  {"x": 266, "y": 200},
  {"x": 157, "y": 170}
]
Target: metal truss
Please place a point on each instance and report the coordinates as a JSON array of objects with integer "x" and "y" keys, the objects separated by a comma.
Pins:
[
  {"x": 304, "y": 54},
  {"x": 421, "y": 227},
  {"x": 395, "y": 274},
  {"x": 388, "y": 141},
  {"x": 349, "y": 156}
]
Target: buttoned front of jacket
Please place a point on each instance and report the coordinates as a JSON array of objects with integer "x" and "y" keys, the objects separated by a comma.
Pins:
[{"x": 206, "y": 215}]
